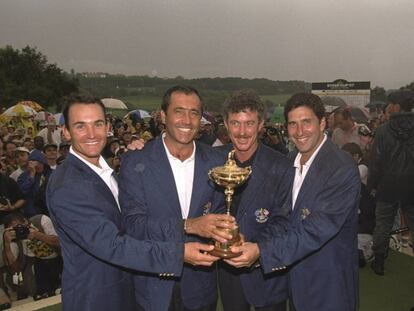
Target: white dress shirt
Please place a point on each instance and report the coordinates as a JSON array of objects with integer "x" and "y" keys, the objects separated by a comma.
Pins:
[
  {"x": 301, "y": 171},
  {"x": 183, "y": 172},
  {"x": 105, "y": 172}
]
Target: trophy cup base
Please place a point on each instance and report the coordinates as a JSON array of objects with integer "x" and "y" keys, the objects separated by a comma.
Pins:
[
  {"x": 223, "y": 250},
  {"x": 224, "y": 253}
]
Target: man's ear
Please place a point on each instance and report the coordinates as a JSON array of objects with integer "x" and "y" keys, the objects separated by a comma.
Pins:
[
  {"x": 66, "y": 133},
  {"x": 163, "y": 116}
]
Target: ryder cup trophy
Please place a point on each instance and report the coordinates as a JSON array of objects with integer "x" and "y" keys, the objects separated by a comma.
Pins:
[{"x": 229, "y": 176}]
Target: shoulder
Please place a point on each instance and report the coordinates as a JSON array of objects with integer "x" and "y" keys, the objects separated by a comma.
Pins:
[{"x": 72, "y": 173}]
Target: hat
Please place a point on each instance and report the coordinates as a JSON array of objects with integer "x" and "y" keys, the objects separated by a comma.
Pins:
[
  {"x": 48, "y": 146},
  {"x": 38, "y": 156},
  {"x": 22, "y": 149}
]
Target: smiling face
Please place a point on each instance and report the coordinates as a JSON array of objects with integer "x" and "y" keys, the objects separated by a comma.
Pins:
[
  {"x": 243, "y": 129},
  {"x": 87, "y": 131},
  {"x": 305, "y": 131},
  {"x": 182, "y": 121}
]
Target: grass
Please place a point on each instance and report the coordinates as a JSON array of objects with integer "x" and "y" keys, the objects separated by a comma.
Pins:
[{"x": 391, "y": 292}]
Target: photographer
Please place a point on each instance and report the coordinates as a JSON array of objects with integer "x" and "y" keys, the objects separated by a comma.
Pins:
[
  {"x": 273, "y": 138},
  {"x": 30, "y": 244}
]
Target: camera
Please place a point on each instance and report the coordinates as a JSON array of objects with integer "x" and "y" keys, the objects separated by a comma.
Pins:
[
  {"x": 363, "y": 130},
  {"x": 3, "y": 201},
  {"x": 21, "y": 231}
]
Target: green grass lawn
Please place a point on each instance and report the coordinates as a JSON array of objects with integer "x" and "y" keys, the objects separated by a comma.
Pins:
[{"x": 391, "y": 292}]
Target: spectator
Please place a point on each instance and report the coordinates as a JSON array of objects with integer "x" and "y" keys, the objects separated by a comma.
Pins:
[
  {"x": 33, "y": 182},
  {"x": 51, "y": 134},
  {"x": 22, "y": 156},
  {"x": 31, "y": 246},
  {"x": 222, "y": 136},
  {"x": 391, "y": 174},
  {"x": 28, "y": 143},
  {"x": 347, "y": 130},
  {"x": 10, "y": 156},
  {"x": 50, "y": 150},
  {"x": 38, "y": 142}
]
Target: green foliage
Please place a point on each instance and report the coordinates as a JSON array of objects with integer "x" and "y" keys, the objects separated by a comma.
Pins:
[
  {"x": 378, "y": 94},
  {"x": 26, "y": 75}
]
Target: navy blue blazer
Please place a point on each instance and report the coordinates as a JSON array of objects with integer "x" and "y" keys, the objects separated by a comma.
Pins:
[
  {"x": 148, "y": 196},
  {"x": 95, "y": 250},
  {"x": 262, "y": 199},
  {"x": 320, "y": 246}
]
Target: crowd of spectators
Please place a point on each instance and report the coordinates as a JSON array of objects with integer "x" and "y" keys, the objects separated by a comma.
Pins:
[{"x": 28, "y": 156}]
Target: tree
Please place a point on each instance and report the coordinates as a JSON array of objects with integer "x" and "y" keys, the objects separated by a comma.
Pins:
[
  {"x": 378, "y": 93},
  {"x": 26, "y": 75}
]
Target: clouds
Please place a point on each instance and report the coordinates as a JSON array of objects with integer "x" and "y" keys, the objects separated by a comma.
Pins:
[{"x": 283, "y": 40}]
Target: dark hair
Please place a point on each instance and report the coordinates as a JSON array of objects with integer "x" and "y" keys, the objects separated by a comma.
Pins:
[
  {"x": 13, "y": 216},
  {"x": 80, "y": 99},
  {"x": 309, "y": 100},
  {"x": 244, "y": 100},
  {"x": 352, "y": 148},
  {"x": 407, "y": 104},
  {"x": 344, "y": 112},
  {"x": 398, "y": 97},
  {"x": 184, "y": 89}
]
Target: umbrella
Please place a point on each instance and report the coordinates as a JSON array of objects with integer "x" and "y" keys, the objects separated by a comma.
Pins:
[
  {"x": 32, "y": 105},
  {"x": 333, "y": 101},
  {"x": 60, "y": 120},
  {"x": 138, "y": 113},
  {"x": 359, "y": 114},
  {"x": 375, "y": 104},
  {"x": 113, "y": 103},
  {"x": 19, "y": 110}
]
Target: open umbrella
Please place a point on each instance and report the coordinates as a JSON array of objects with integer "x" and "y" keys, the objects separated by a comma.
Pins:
[
  {"x": 359, "y": 114},
  {"x": 138, "y": 114},
  {"x": 19, "y": 110},
  {"x": 375, "y": 104},
  {"x": 32, "y": 105},
  {"x": 113, "y": 103},
  {"x": 333, "y": 101}
]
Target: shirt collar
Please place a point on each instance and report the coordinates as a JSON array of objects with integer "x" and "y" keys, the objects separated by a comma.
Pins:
[
  {"x": 105, "y": 168},
  {"x": 309, "y": 162},
  {"x": 171, "y": 157}
]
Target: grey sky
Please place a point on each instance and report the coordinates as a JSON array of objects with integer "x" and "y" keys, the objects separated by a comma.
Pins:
[{"x": 311, "y": 40}]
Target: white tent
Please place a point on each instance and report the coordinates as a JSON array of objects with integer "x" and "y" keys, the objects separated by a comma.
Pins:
[{"x": 113, "y": 103}]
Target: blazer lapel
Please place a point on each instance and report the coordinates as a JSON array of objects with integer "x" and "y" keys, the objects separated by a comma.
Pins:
[
  {"x": 254, "y": 183},
  {"x": 163, "y": 175},
  {"x": 89, "y": 174},
  {"x": 312, "y": 177},
  {"x": 201, "y": 168}
]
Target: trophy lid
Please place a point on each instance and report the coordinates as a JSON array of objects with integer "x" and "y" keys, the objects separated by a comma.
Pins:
[{"x": 230, "y": 173}]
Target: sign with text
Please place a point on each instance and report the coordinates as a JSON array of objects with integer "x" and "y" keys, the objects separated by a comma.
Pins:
[{"x": 355, "y": 94}]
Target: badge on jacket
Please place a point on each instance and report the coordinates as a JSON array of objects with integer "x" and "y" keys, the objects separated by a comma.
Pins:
[
  {"x": 262, "y": 215},
  {"x": 304, "y": 212},
  {"x": 206, "y": 208}
]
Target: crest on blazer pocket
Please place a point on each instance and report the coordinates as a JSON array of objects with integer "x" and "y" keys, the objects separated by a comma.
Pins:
[
  {"x": 304, "y": 212},
  {"x": 206, "y": 208},
  {"x": 262, "y": 215}
]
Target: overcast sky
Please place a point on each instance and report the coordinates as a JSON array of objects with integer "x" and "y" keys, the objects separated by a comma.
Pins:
[{"x": 311, "y": 40}]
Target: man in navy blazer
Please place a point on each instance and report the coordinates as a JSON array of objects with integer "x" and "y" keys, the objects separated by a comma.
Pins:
[
  {"x": 320, "y": 245},
  {"x": 168, "y": 180},
  {"x": 82, "y": 197},
  {"x": 254, "y": 204}
]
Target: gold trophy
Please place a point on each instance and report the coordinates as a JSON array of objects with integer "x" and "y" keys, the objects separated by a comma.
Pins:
[{"x": 229, "y": 176}]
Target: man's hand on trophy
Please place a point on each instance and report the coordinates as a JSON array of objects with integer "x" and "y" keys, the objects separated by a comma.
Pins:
[
  {"x": 250, "y": 254},
  {"x": 211, "y": 226},
  {"x": 195, "y": 253}
]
